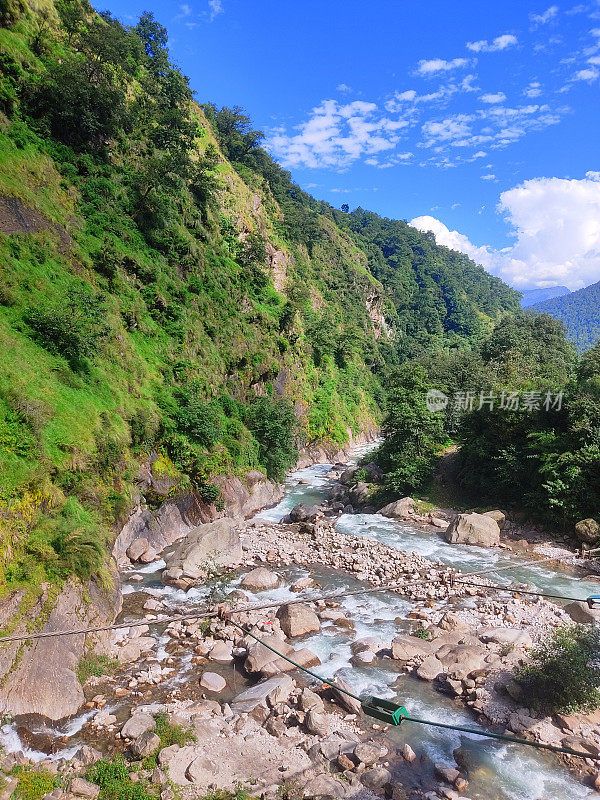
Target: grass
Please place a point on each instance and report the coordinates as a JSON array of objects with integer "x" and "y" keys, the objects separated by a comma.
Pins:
[
  {"x": 33, "y": 783},
  {"x": 96, "y": 666}
]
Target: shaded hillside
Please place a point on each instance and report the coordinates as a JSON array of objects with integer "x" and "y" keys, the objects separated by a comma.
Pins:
[
  {"x": 531, "y": 296},
  {"x": 579, "y": 312},
  {"x": 168, "y": 295}
]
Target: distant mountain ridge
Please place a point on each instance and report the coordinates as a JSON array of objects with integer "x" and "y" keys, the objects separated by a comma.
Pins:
[
  {"x": 533, "y": 296},
  {"x": 579, "y": 312}
]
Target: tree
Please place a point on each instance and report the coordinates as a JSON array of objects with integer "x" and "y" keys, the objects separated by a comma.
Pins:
[
  {"x": 273, "y": 423},
  {"x": 345, "y": 208}
]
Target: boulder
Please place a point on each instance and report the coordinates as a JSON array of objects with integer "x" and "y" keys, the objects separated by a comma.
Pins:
[
  {"x": 400, "y": 509},
  {"x": 376, "y": 778},
  {"x": 221, "y": 652},
  {"x": 317, "y": 723},
  {"x": 430, "y": 668},
  {"x": 476, "y": 529},
  {"x": 260, "y": 656},
  {"x": 137, "y": 725},
  {"x": 367, "y": 753},
  {"x": 214, "y": 544},
  {"x": 451, "y": 621},
  {"x": 498, "y": 515},
  {"x": 310, "y": 701},
  {"x": 137, "y": 549},
  {"x": 587, "y": 531},
  {"x": 581, "y": 612},
  {"x": 213, "y": 682},
  {"x": 298, "y": 620},
  {"x": 324, "y": 786},
  {"x": 304, "y": 513},
  {"x": 359, "y": 494},
  {"x": 149, "y": 555},
  {"x": 512, "y": 636},
  {"x": 349, "y": 703},
  {"x": 82, "y": 788},
  {"x": 347, "y": 476},
  {"x": 268, "y": 692},
  {"x": 406, "y": 647},
  {"x": 145, "y": 744},
  {"x": 260, "y": 579}
]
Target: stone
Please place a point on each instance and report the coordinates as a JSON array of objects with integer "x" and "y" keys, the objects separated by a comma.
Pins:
[
  {"x": 260, "y": 579},
  {"x": 349, "y": 703},
  {"x": 137, "y": 549},
  {"x": 451, "y": 621},
  {"x": 221, "y": 652},
  {"x": 214, "y": 544},
  {"x": 359, "y": 494},
  {"x": 430, "y": 668},
  {"x": 310, "y": 701},
  {"x": 317, "y": 723},
  {"x": 512, "y": 636},
  {"x": 376, "y": 778},
  {"x": 400, "y": 509},
  {"x": 87, "y": 755},
  {"x": 345, "y": 763},
  {"x": 298, "y": 620},
  {"x": 149, "y": 555},
  {"x": 581, "y": 612},
  {"x": 138, "y": 724},
  {"x": 406, "y": 647},
  {"x": 578, "y": 743},
  {"x": 367, "y": 753},
  {"x": 587, "y": 531},
  {"x": 445, "y": 773},
  {"x": 438, "y": 522},
  {"x": 324, "y": 786},
  {"x": 145, "y": 744},
  {"x": 268, "y": 692},
  {"x": 304, "y": 513},
  {"x": 408, "y": 754},
  {"x": 475, "y": 529},
  {"x": 515, "y": 690},
  {"x": 498, "y": 515},
  {"x": 82, "y": 788},
  {"x": 213, "y": 682},
  {"x": 302, "y": 583},
  {"x": 371, "y": 643}
]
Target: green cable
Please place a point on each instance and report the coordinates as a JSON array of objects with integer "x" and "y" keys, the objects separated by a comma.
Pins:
[{"x": 486, "y": 734}]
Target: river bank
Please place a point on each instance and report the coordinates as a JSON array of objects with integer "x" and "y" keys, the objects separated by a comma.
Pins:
[{"x": 368, "y": 641}]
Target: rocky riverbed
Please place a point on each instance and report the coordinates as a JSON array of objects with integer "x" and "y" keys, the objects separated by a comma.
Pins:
[{"x": 259, "y": 722}]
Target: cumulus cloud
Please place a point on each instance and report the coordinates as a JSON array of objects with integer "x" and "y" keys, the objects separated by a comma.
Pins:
[
  {"x": 336, "y": 135},
  {"x": 499, "y": 97},
  {"x": 343, "y": 87},
  {"x": 556, "y": 226},
  {"x": 590, "y": 74},
  {"x": 533, "y": 90},
  {"x": 215, "y": 8},
  {"x": 545, "y": 16},
  {"x": 499, "y": 43},
  {"x": 435, "y": 66}
]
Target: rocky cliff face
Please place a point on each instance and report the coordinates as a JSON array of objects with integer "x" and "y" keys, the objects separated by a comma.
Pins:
[{"x": 40, "y": 676}]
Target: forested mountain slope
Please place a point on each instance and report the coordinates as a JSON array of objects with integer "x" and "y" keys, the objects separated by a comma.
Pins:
[
  {"x": 532, "y": 296},
  {"x": 579, "y": 312},
  {"x": 167, "y": 294}
]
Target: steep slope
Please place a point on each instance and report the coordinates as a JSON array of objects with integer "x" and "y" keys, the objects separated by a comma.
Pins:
[
  {"x": 172, "y": 307},
  {"x": 579, "y": 312},
  {"x": 532, "y": 296}
]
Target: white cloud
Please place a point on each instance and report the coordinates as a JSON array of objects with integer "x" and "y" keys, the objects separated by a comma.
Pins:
[
  {"x": 556, "y": 226},
  {"x": 216, "y": 8},
  {"x": 544, "y": 17},
  {"x": 499, "y": 43},
  {"x": 489, "y": 177},
  {"x": 446, "y": 130},
  {"x": 590, "y": 74},
  {"x": 499, "y": 97},
  {"x": 343, "y": 87},
  {"x": 335, "y": 135},
  {"x": 533, "y": 90},
  {"x": 436, "y": 65}
]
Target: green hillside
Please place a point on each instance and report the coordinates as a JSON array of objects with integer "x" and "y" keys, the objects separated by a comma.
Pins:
[
  {"x": 168, "y": 294},
  {"x": 579, "y": 312}
]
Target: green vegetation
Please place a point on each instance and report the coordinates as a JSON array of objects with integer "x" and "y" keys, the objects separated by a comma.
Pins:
[
  {"x": 168, "y": 295},
  {"x": 33, "y": 783},
  {"x": 95, "y": 665},
  {"x": 564, "y": 673},
  {"x": 579, "y": 312},
  {"x": 112, "y": 776},
  {"x": 543, "y": 456}
]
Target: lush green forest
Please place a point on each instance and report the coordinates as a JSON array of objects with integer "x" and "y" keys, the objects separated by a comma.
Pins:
[
  {"x": 168, "y": 296},
  {"x": 579, "y": 312},
  {"x": 524, "y": 412}
]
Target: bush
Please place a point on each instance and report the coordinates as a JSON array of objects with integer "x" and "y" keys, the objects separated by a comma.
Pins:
[
  {"x": 273, "y": 423},
  {"x": 95, "y": 665},
  {"x": 33, "y": 784},
  {"x": 72, "y": 328},
  {"x": 115, "y": 784},
  {"x": 564, "y": 671}
]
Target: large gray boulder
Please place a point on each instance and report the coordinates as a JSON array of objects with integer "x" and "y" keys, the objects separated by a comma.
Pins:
[
  {"x": 298, "y": 620},
  {"x": 399, "y": 509},
  {"x": 582, "y": 613},
  {"x": 476, "y": 529},
  {"x": 304, "y": 513},
  {"x": 587, "y": 531},
  {"x": 137, "y": 725},
  {"x": 214, "y": 544},
  {"x": 269, "y": 692},
  {"x": 260, "y": 579}
]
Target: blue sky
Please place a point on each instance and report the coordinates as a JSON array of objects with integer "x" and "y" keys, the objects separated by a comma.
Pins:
[{"x": 477, "y": 120}]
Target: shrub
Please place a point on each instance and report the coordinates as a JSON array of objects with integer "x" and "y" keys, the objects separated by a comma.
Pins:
[
  {"x": 115, "y": 784},
  {"x": 95, "y": 665},
  {"x": 564, "y": 671},
  {"x": 72, "y": 328},
  {"x": 273, "y": 423},
  {"x": 33, "y": 784}
]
